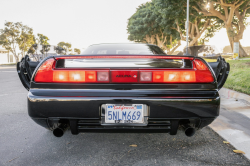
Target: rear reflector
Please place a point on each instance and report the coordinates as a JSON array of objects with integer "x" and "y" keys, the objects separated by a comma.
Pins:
[
  {"x": 146, "y": 76},
  {"x": 200, "y": 73},
  {"x": 103, "y": 76}
]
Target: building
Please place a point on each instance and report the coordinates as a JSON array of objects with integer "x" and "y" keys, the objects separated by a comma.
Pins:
[{"x": 6, "y": 56}]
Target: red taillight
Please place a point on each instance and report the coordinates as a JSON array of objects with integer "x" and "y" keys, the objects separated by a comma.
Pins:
[
  {"x": 124, "y": 76},
  {"x": 203, "y": 74},
  {"x": 47, "y": 73},
  {"x": 199, "y": 74}
]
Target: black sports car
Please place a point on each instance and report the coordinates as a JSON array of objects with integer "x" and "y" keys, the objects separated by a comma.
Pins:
[{"x": 122, "y": 88}]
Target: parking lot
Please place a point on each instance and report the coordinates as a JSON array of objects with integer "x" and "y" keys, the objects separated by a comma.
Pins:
[{"x": 22, "y": 142}]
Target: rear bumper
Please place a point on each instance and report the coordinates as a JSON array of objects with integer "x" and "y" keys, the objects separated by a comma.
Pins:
[{"x": 165, "y": 111}]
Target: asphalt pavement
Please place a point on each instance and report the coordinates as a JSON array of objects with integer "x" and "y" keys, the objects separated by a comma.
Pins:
[{"x": 24, "y": 143}]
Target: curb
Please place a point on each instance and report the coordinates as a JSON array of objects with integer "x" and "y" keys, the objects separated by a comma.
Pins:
[
  {"x": 234, "y": 120},
  {"x": 234, "y": 94}
]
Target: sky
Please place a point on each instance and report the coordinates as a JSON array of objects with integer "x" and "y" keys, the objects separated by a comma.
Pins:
[{"x": 84, "y": 22}]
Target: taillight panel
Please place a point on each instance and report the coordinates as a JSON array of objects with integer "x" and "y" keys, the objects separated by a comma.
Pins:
[
  {"x": 47, "y": 73},
  {"x": 124, "y": 76}
]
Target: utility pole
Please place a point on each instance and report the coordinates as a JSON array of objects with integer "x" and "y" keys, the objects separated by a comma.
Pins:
[{"x": 187, "y": 25}]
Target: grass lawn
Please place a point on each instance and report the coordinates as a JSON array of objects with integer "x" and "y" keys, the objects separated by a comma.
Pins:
[{"x": 239, "y": 76}]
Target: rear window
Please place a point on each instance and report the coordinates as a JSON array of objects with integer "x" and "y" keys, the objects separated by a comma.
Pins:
[
  {"x": 123, "y": 63},
  {"x": 123, "y": 49}
]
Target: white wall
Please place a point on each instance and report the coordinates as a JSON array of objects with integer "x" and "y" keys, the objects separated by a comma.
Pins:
[{"x": 6, "y": 57}]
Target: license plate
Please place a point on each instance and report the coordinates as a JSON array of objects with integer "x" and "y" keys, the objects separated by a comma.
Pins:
[{"x": 124, "y": 113}]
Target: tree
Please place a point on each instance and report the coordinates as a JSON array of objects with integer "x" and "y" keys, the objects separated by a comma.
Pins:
[
  {"x": 9, "y": 36},
  {"x": 162, "y": 22},
  {"x": 14, "y": 35},
  {"x": 42, "y": 39},
  {"x": 198, "y": 24},
  {"x": 227, "y": 49},
  {"x": 26, "y": 39},
  {"x": 76, "y": 50},
  {"x": 144, "y": 26},
  {"x": 65, "y": 46},
  {"x": 233, "y": 13}
]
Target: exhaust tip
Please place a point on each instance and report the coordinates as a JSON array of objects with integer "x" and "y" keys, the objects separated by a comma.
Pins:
[
  {"x": 190, "y": 132},
  {"x": 58, "y": 132}
]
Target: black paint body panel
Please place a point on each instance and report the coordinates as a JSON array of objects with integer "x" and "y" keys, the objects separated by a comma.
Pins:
[
  {"x": 86, "y": 103},
  {"x": 80, "y": 104}
]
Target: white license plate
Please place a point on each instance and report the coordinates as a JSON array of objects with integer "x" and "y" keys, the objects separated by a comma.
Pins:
[{"x": 118, "y": 113}]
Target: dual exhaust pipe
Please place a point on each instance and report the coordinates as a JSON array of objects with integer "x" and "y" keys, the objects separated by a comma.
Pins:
[{"x": 60, "y": 130}]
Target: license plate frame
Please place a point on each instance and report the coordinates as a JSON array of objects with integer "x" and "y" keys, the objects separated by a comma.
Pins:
[{"x": 142, "y": 108}]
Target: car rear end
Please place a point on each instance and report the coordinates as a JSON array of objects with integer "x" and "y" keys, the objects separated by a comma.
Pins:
[{"x": 123, "y": 93}]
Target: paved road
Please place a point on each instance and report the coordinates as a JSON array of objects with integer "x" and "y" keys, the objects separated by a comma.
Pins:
[{"x": 24, "y": 143}]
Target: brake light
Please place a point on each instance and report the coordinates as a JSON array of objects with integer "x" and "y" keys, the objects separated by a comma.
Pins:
[
  {"x": 200, "y": 73},
  {"x": 203, "y": 74}
]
